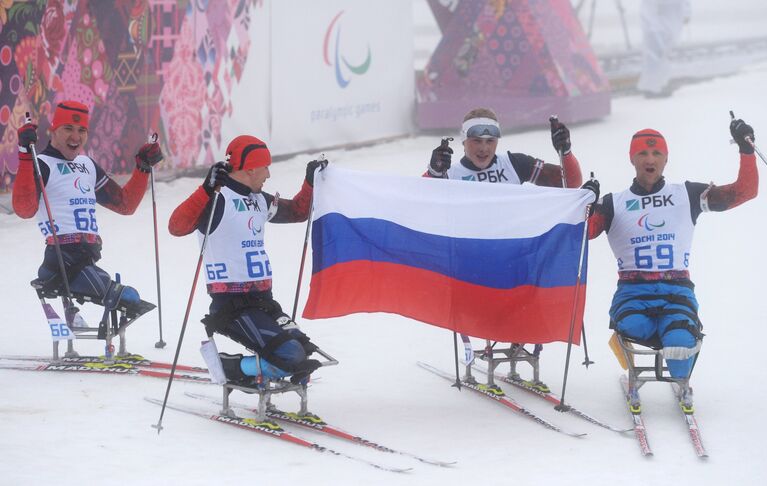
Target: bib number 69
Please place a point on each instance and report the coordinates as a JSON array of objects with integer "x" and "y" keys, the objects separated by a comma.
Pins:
[{"x": 663, "y": 257}]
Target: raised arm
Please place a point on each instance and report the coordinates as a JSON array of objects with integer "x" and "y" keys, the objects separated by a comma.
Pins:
[
  {"x": 125, "y": 200},
  {"x": 551, "y": 174},
  {"x": 297, "y": 209},
  {"x": 26, "y": 194},
  {"x": 186, "y": 217},
  {"x": 745, "y": 187}
]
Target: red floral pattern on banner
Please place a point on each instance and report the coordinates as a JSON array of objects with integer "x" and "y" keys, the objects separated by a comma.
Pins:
[
  {"x": 182, "y": 99},
  {"x": 140, "y": 65}
]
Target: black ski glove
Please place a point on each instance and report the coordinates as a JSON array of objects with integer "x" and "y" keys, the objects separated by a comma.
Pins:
[
  {"x": 593, "y": 186},
  {"x": 148, "y": 156},
  {"x": 311, "y": 167},
  {"x": 440, "y": 160},
  {"x": 560, "y": 137},
  {"x": 27, "y": 136},
  {"x": 740, "y": 131},
  {"x": 218, "y": 175}
]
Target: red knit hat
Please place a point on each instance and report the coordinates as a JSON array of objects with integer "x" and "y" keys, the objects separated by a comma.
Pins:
[
  {"x": 70, "y": 113},
  {"x": 247, "y": 152},
  {"x": 647, "y": 139}
]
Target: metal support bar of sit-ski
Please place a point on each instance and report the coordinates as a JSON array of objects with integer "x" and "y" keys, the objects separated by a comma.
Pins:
[
  {"x": 117, "y": 322},
  {"x": 639, "y": 375},
  {"x": 495, "y": 356},
  {"x": 264, "y": 391},
  {"x": 266, "y": 388}
]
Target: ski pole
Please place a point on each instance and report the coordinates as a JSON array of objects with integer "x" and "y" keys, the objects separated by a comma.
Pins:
[
  {"x": 457, "y": 383},
  {"x": 756, "y": 149},
  {"x": 750, "y": 142},
  {"x": 586, "y": 360},
  {"x": 445, "y": 143},
  {"x": 554, "y": 121},
  {"x": 323, "y": 164},
  {"x": 562, "y": 407},
  {"x": 158, "y": 425},
  {"x": 69, "y": 310},
  {"x": 159, "y": 344}
]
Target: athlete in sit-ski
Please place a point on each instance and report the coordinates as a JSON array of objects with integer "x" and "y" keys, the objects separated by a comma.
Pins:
[
  {"x": 650, "y": 228},
  {"x": 237, "y": 268},
  {"x": 75, "y": 184},
  {"x": 480, "y": 134}
]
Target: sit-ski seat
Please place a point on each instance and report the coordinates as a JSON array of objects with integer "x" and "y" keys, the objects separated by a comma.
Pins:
[
  {"x": 118, "y": 315},
  {"x": 628, "y": 350},
  {"x": 266, "y": 387},
  {"x": 495, "y": 354},
  {"x": 132, "y": 310}
]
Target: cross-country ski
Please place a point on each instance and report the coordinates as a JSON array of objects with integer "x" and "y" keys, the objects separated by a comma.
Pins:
[
  {"x": 133, "y": 360},
  {"x": 551, "y": 398},
  {"x": 271, "y": 429},
  {"x": 497, "y": 395},
  {"x": 124, "y": 369},
  {"x": 315, "y": 423}
]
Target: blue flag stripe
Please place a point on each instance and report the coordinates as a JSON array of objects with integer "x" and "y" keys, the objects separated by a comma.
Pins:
[{"x": 548, "y": 260}]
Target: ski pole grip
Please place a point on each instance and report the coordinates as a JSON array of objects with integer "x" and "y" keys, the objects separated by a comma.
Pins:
[
  {"x": 732, "y": 115},
  {"x": 28, "y": 119},
  {"x": 554, "y": 120},
  {"x": 445, "y": 142}
]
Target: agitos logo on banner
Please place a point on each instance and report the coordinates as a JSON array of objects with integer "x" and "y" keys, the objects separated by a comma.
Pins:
[{"x": 338, "y": 58}]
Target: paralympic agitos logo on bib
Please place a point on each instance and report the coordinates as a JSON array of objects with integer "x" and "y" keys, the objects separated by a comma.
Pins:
[
  {"x": 83, "y": 188},
  {"x": 344, "y": 69},
  {"x": 644, "y": 222},
  {"x": 253, "y": 227}
]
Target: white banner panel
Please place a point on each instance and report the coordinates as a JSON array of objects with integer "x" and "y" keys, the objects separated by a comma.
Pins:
[
  {"x": 250, "y": 102},
  {"x": 342, "y": 72}
]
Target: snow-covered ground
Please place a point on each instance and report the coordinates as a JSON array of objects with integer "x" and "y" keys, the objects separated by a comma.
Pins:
[{"x": 71, "y": 429}]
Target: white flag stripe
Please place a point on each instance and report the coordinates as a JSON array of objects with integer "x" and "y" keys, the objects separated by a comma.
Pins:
[{"x": 458, "y": 209}]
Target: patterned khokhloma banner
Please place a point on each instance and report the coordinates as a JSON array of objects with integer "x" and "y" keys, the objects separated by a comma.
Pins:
[{"x": 143, "y": 66}]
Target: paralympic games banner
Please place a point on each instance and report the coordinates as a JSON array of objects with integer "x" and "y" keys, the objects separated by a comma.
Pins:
[
  {"x": 300, "y": 74},
  {"x": 433, "y": 250},
  {"x": 342, "y": 72}
]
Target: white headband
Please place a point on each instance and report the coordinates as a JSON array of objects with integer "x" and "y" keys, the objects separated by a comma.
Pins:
[{"x": 472, "y": 122}]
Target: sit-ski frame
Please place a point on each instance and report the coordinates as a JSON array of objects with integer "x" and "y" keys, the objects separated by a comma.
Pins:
[
  {"x": 639, "y": 375},
  {"x": 265, "y": 388},
  {"x": 513, "y": 354},
  {"x": 113, "y": 323}
]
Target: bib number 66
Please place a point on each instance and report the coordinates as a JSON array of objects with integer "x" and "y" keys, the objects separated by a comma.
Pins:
[{"x": 60, "y": 331}]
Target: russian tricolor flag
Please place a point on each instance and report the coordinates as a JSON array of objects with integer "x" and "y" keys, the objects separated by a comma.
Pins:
[{"x": 494, "y": 261}]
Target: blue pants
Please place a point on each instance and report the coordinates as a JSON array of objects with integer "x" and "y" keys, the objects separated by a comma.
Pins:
[
  {"x": 251, "y": 367},
  {"x": 663, "y": 310},
  {"x": 94, "y": 282},
  {"x": 84, "y": 276}
]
